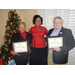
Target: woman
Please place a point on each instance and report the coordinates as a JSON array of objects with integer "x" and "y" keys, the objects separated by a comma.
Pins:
[
  {"x": 22, "y": 35},
  {"x": 38, "y": 50}
]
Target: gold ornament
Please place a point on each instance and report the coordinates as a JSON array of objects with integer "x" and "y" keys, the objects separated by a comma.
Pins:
[
  {"x": 7, "y": 49},
  {"x": 5, "y": 40}
]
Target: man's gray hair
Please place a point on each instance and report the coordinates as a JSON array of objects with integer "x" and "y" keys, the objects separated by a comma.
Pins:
[
  {"x": 21, "y": 23},
  {"x": 57, "y": 17}
]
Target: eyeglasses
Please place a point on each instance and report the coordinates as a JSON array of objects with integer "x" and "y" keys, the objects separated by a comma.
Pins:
[{"x": 57, "y": 22}]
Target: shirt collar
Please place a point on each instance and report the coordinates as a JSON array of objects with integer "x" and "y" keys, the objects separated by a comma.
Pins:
[
  {"x": 38, "y": 26},
  {"x": 57, "y": 29}
]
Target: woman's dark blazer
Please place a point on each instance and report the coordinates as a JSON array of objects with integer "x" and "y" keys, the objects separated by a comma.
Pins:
[
  {"x": 17, "y": 37},
  {"x": 68, "y": 43}
]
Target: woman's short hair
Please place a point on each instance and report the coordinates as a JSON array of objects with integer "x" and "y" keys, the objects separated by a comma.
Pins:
[
  {"x": 21, "y": 23},
  {"x": 35, "y": 17}
]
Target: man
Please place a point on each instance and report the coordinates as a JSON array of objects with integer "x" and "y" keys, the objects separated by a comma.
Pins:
[{"x": 60, "y": 54}]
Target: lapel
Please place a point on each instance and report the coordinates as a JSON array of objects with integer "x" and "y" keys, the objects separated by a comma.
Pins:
[
  {"x": 50, "y": 32},
  {"x": 19, "y": 37},
  {"x": 61, "y": 32}
]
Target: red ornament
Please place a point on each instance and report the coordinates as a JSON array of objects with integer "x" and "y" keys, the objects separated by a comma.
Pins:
[
  {"x": 10, "y": 18},
  {"x": 10, "y": 31},
  {"x": 6, "y": 25},
  {"x": 1, "y": 61},
  {"x": 5, "y": 36}
]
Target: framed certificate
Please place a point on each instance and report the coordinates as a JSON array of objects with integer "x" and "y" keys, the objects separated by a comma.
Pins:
[
  {"x": 54, "y": 42},
  {"x": 20, "y": 47}
]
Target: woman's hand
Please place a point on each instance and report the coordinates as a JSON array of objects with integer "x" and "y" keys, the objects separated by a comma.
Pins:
[{"x": 14, "y": 53}]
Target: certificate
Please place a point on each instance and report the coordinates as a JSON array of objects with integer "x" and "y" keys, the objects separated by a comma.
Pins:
[
  {"x": 54, "y": 42},
  {"x": 20, "y": 47}
]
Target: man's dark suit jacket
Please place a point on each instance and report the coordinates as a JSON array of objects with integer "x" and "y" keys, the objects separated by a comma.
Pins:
[{"x": 68, "y": 43}]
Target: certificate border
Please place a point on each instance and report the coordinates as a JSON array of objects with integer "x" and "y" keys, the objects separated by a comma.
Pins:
[
  {"x": 17, "y": 42},
  {"x": 52, "y": 37}
]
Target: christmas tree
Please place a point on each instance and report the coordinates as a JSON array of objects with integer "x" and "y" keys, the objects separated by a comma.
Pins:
[{"x": 11, "y": 29}]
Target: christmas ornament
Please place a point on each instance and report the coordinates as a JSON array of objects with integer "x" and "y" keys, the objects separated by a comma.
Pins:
[
  {"x": 10, "y": 31},
  {"x": 7, "y": 49},
  {"x": 1, "y": 61},
  {"x": 10, "y": 18},
  {"x": 6, "y": 25},
  {"x": 10, "y": 23},
  {"x": 5, "y": 36},
  {"x": 5, "y": 39}
]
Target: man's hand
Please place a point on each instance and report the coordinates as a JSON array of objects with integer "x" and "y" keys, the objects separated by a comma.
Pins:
[{"x": 57, "y": 49}]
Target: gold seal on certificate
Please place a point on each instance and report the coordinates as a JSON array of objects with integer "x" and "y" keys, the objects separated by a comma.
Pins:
[
  {"x": 54, "y": 42},
  {"x": 20, "y": 47}
]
